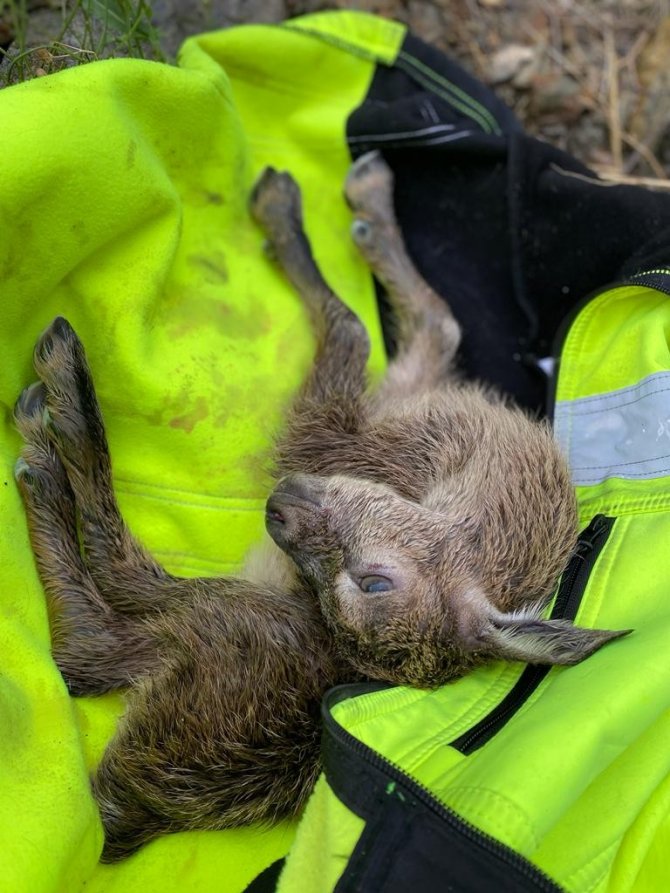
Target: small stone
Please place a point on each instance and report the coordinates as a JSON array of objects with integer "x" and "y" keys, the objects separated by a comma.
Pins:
[
  {"x": 508, "y": 62},
  {"x": 426, "y": 20}
]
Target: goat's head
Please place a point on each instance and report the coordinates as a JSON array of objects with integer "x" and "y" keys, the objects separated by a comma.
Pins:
[{"x": 412, "y": 595}]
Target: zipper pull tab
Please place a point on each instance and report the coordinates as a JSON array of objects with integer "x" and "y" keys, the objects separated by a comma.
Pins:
[{"x": 589, "y": 537}]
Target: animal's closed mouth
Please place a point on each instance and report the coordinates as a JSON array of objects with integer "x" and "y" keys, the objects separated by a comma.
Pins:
[{"x": 272, "y": 513}]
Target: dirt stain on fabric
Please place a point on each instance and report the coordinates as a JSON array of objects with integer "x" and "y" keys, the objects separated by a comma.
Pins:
[
  {"x": 190, "y": 419},
  {"x": 78, "y": 230},
  {"x": 213, "y": 266},
  {"x": 239, "y": 320},
  {"x": 131, "y": 154}
]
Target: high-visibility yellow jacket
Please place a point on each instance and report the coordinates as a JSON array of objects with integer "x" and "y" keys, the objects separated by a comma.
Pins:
[
  {"x": 123, "y": 207},
  {"x": 528, "y": 778}
]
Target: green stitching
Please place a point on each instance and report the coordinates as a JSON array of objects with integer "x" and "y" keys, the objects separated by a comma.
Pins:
[
  {"x": 454, "y": 103},
  {"x": 454, "y": 95},
  {"x": 337, "y": 42}
]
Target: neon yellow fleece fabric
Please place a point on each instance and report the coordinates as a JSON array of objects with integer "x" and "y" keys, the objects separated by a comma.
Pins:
[{"x": 123, "y": 208}]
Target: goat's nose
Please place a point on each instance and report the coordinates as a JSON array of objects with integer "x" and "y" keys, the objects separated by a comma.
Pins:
[
  {"x": 295, "y": 496},
  {"x": 297, "y": 488}
]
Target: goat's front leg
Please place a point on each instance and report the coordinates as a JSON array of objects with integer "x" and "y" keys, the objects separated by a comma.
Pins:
[
  {"x": 125, "y": 574},
  {"x": 427, "y": 333},
  {"x": 329, "y": 406},
  {"x": 95, "y": 649}
]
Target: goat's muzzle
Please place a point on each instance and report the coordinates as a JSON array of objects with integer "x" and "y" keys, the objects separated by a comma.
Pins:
[{"x": 292, "y": 508}]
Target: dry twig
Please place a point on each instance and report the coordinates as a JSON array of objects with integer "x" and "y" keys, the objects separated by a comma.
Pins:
[{"x": 613, "y": 107}]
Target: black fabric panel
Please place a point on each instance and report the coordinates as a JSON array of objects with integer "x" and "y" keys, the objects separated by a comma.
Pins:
[
  {"x": 404, "y": 852},
  {"x": 652, "y": 253},
  {"x": 578, "y": 234},
  {"x": 266, "y": 881},
  {"x": 512, "y": 232},
  {"x": 408, "y": 846},
  {"x": 392, "y": 86}
]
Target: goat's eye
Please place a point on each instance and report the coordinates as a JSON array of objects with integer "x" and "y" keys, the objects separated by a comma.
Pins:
[{"x": 375, "y": 583}]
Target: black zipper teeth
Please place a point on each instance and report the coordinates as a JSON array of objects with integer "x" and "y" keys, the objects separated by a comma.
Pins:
[
  {"x": 658, "y": 279},
  {"x": 569, "y": 597},
  {"x": 491, "y": 724},
  {"x": 505, "y": 854},
  {"x": 589, "y": 546}
]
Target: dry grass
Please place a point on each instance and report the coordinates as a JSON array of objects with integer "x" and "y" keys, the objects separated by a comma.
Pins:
[{"x": 81, "y": 31}]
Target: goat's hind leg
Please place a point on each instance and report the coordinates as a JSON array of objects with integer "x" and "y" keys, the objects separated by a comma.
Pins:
[
  {"x": 329, "y": 406},
  {"x": 126, "y": 575},
  {"x": 95, "y": 650},
  {"x": 426, "y": 331}
]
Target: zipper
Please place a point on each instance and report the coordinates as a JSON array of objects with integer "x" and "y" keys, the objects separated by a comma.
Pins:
[
  {"x": 575, "y": 577},
  {"x": 568, "y": 599},
  {"x": 397, "y": 783},
  {"x": 658, "y": 279}
]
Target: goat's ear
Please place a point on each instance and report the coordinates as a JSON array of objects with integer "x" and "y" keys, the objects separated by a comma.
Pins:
[{"x": 523, "y": 636}]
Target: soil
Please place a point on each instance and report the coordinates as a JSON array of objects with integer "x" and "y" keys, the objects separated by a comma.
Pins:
[{"x": 589, "y": 76}]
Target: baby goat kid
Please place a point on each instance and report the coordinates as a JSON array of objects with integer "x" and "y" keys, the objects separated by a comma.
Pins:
[{"x": 421, "y": 529}]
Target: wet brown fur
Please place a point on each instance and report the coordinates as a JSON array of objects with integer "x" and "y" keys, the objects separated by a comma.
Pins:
[{"x": 461, "y": 503}]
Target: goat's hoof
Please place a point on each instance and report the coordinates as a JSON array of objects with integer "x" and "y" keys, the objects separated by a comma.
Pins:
[
  {"x": 40, "y": 474},
  {"x": 275, "y": 200},
  {"x": 36, "y": 479},
  {"x": 369, "y": 180},
  {"x": 367, "y": 164},
  {"x": 270, "y": 250},
  {"x": 61, "y": 328},
  {"x": 56, "y": 349},
  {"x": 362, "y": 231},
  {"x": 264, "y": 181},
  {"x": 31, "y": 403},
  {"x": 23, "y": 472},
  {"x": 31, "y": 416},
  {"x": 57, "y": 330},
  {"x": 34, "y": 476}
]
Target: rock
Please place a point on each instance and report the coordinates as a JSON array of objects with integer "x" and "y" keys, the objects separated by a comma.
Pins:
[
  {"x": 509, "y": 62},
  {"x": 426, "y": 21}
]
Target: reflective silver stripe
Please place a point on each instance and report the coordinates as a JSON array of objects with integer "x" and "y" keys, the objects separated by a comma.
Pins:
[{"x": 623, "y": 434}]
